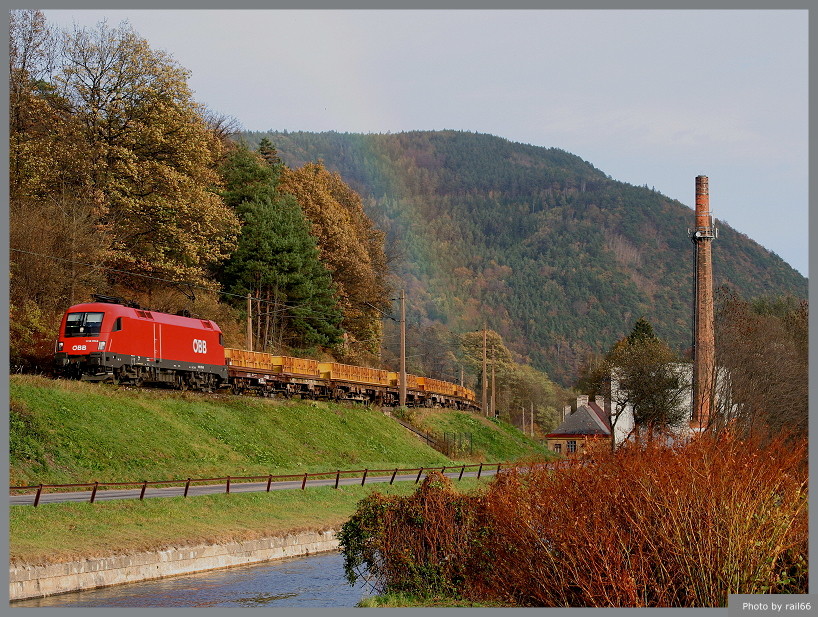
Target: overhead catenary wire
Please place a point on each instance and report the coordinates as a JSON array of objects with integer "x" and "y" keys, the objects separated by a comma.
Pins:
[{"x": 284, "y": 306}]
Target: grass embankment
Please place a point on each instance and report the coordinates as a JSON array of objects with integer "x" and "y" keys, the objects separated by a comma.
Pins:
[
  {"x": 69, "y": 432},
  {"x": 504, "y": 441},
  {"x": 64, "y": 432}
]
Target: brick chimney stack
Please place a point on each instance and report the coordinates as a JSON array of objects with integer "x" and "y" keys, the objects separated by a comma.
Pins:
[
  {"x": 704, "y": 344},
  {"x": 582, "y": 399}
]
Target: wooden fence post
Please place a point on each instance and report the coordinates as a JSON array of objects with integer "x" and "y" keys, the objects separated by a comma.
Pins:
[
  {"x": 479, "y": 471},
  {"x": 269, "y": 482},
  {"x": 394, "y": 473},
  {"x": 37, "y": 497},
  {"x": 304, "y": 481},
  {"x": 187, "y": 486},
  {"x": 418, "y": 478},
  {"x": 94, "y": 492},
  {"x": 337, "y": 478},
  {"x": 363, "y": 480},
  {"x": 142, "y": 493},
  {"x": 228, "y": 485},
  {"x": 462, "y": 469}
]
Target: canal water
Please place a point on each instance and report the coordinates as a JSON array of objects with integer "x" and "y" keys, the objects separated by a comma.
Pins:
[{"x": 316, "y": 580}]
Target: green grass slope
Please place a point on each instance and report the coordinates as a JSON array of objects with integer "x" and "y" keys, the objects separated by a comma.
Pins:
[
  {"x": 503, "y": 441},
  {"x": 69, "y": 432}
]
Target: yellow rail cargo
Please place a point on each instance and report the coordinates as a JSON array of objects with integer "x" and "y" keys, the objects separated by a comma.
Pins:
[
  {"x": 437, "y": 386},
  {"x": 296, "y": 366},
  {"x": 464, "y": 393},
  {"x": 267, "y": 362},
  {"x": 248, "y": 359},
  {"x": 411, "y": 380},
  {"x": 355, "y": 374}
]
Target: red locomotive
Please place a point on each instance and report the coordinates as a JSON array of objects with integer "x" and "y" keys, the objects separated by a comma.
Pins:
[{"x": 110, "y": 340}]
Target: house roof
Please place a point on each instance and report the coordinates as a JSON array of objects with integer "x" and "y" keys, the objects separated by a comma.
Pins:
[
  {"x": 600, "y": 412},
  {"x": 587, "y": 420}
]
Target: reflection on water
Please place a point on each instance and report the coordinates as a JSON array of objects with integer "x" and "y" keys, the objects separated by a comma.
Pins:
[{"x": 301, "y": 581}]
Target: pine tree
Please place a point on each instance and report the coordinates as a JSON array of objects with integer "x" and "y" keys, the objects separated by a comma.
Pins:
[{"x": 276, "y": 261}]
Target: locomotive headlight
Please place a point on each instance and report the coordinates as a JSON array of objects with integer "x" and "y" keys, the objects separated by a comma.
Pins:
[
  {"x": 59, "y": 345},
  {"x": 101, "y": 346}
]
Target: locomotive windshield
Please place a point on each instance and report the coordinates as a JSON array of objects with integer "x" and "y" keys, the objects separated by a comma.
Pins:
[{"x": 83, "y": 324}]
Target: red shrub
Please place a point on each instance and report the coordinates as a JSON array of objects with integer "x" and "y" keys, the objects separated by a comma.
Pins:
[{"x": 645, "y": 526}]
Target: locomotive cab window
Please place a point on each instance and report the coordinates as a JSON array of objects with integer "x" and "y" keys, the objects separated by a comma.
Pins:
[{"x": 83, "y": 324}]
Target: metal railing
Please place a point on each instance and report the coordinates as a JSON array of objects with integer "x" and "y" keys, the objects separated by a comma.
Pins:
[
  {"x": 270, "y": 478},
  {"x": 448, "y": 443}
]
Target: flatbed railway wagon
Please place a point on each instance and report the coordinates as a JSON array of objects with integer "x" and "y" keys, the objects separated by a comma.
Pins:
[
  {"x": 269, "y": 375},
  {"x": 357, "y": 383}
]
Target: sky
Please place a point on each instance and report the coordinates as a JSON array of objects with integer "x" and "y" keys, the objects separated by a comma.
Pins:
[{"x": 652, "y": 97}]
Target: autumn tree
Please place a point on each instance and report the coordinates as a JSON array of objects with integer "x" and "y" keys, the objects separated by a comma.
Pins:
[
  {"x": 647, "y": 378},
  {"x": 53, "y": 208},
  {"x": 276, "y": 261},
  {"x": 349, "y": 244},
  {"x": 152, "y": 156},
  {"x": 762, "y": 355},
  {"x": 521, "y": 390},
  {"x": 111, "y": 167}
]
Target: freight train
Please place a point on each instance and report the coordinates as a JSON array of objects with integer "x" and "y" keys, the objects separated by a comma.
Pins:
[{"x": 119, "y": 342}]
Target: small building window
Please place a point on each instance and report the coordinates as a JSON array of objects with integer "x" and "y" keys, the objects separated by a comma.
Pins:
[
  {"x": 572, "y": 445},
  {"x": 557, "y": 447}
]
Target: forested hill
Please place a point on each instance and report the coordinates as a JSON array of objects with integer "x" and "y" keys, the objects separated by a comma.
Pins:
[{"x": 553, "y": 254}]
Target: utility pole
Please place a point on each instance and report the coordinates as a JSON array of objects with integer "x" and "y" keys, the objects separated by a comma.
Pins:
[
  {"x": 532, "y": 419},
  {"x": 249, "y": 324},
  {"x": 402, "y": 380},
  {"x": 484, "y": 380},
  {"x": 493, "y": 397}
]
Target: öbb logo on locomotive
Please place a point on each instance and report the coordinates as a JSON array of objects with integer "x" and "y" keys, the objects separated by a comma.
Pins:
[{"x": 114, "y": 341}]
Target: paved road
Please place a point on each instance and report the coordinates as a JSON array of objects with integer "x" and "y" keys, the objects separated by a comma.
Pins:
[{"x": 235, "y": 487}]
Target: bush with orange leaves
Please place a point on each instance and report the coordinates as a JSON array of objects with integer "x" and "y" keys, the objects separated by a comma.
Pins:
[{"x": 648, "y": 525}]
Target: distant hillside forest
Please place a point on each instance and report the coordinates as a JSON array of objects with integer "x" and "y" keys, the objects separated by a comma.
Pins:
[{"x": 547, "y": 250}]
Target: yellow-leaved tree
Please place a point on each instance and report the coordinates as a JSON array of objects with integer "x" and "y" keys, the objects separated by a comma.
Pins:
[
  {"x": 152, "y": 155},
  {"x": 351, "y": 247}
]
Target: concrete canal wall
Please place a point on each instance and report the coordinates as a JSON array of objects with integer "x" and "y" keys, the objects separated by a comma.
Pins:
[{"x": 38, "y": 581}]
